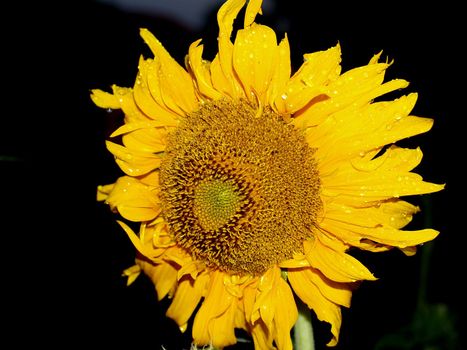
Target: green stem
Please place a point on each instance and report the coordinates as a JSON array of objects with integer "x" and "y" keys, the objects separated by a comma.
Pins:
[{"x": 303, "y": 329}]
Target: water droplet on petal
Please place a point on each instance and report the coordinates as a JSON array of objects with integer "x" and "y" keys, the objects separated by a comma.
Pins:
[{"x": 284, "y": 96}]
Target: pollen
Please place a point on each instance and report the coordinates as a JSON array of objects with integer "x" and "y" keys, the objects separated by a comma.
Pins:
[{"x": 239, "y": 188}]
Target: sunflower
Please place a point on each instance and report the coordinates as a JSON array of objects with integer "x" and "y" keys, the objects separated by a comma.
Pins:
[{"x": 250, "y": 184}]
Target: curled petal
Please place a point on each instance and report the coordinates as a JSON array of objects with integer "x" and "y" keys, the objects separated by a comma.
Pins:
[
  {"x": 200, "y": 69},
  {"x": 176, "y": 85},
  {"x": 325, "y": 309},
  {"x": 186, "y": 298},
  {"x": 214, "y": 322},
  {"x": 252, "y": 9}
]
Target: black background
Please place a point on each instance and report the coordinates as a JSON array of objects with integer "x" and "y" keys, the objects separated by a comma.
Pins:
[{"x": 62, "y": 254}]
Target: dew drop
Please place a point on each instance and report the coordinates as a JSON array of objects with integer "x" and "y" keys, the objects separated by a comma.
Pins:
[{"x": 284, "y": 96}]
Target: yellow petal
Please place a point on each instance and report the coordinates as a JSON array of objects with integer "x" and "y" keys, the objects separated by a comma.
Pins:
[
  {"x": 201, "y": 71},
  {"x": 133, "y": 126},
  {"x": 104, "y": 99},
  {"x": 281, "y": 73},
  {"x": 132, "y": 273},
  {"x": 262, "y": 337},
  {"x": 128, "y": 105},
  {"x": 220, "y": 82},
  {"x": 353, "y": 228},
  {"x": 154, "y": 108},
  {"x": 214, "y": 321},
  {"x": 151, "y": 140},
  {"x": 285, "y": 315},
  {"x": 187, "y": 296},
  {"x": 252, "y": 9},
  {"x": 164, "y": 277},
  {"x": 363, "y": 129},
  {"x": 338, "y": 293},
  {"x": 134, "y": 163},
  {"x": 335, "y": 265},
  {"x": 150, "y": 179},
  {"x": 135, "y": 240},
  {"x": 325, "y": 309},
  {"x": 226, "y": 15},
  {"x": 352, "y": 89},
  {"x": 396, "y": 213},
  {"x": 225, "y": 75},
  {"x": 317, "y": 71},
  {"x": 175, "y": 83},
  {"x": 276, "y": 306},
  {"x": 255, "y": 57},
  {"x": 377, "y": 185},
  {"x": 103, "y": 191},
  {"x": 393, "y": 159}
]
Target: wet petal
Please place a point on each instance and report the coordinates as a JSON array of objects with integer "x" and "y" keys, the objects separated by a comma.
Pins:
[
  {"x": 355, "y": 225},
  {"x": 175, "y": 83},
  {"x": 281, "y": 74},
  {"x": 132, "y": 162},
  {"x": 152, "y": 140},
  {"x": 317, "y": 71},
  {"x": 201, "y": 71},
  {"x": 128, "y": 105},
  {"x": 134, "y": 200},
  {"x": 104, "y": 99},
  {"x": 225, "y": 75},
  {"x": 336, "y": 265},
  {"x": 155, "y": 109},
  {"x": 379, "y": 179},
  {"x": 255, "y": 57}
]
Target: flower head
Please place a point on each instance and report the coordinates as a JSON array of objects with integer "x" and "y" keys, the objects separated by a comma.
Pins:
[{"x": 251, "y": 183}]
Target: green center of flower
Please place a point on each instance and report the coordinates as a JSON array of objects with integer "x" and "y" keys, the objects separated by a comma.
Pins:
[
  {"x": 214, "y": 204},
  {"x": 239, "y": 187}
]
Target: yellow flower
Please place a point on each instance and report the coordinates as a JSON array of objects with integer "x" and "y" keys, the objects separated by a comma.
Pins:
[{"x": 251, "y": 184}]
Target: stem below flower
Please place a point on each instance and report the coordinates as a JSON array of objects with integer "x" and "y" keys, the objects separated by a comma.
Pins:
[{"x": 303, "y": 329}]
